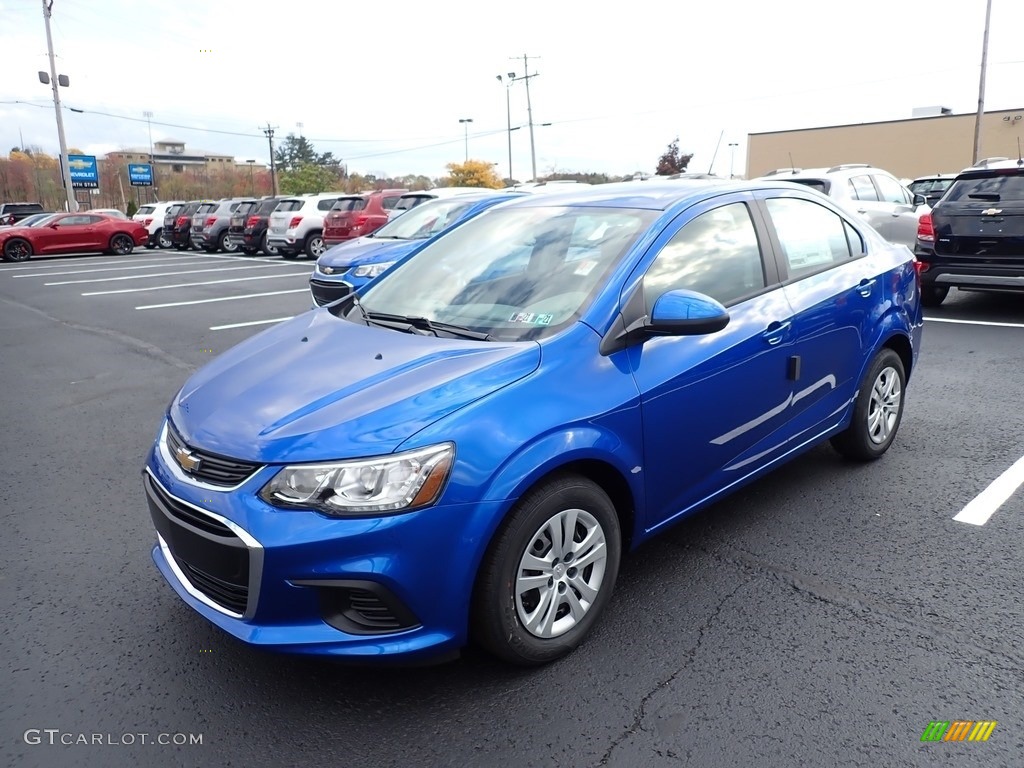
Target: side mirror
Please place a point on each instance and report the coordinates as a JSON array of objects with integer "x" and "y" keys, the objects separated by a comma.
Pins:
[
  {"x": 53, "y": 225},
  {"x": 920, "y": 200},
  {"x": 687, "y": 313}
]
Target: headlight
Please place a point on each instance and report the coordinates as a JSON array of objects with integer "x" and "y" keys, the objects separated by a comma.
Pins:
[
  {"x": 401, "y": 481},
  {"x": 373, "y": 270}
]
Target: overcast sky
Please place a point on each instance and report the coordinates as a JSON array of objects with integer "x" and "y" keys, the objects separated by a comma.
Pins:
[{"x": 383, "y": 84}]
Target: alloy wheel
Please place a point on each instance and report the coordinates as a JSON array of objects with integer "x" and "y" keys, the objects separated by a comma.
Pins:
[{"x": 884, "y": 405}]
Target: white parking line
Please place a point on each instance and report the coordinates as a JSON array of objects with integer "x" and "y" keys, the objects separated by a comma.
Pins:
[
  {"x": 252, "y": 322},
  {"x": 106, "y": 269},
  {"x": 972, "y": 322},
  {"x": 191, "y": 285},
  {"x": 222, "y": 298},
  {"x": 158, "y": 274},
  {"x": 59, "y": 263},
  {"x": 984, "y": 505}
]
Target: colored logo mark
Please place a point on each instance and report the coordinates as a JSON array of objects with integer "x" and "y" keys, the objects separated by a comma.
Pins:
[{"x": 959, "y": 730}]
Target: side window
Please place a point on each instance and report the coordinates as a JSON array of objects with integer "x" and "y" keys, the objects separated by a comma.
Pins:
[
  {"x": 891, "y": 190},
  {"x": 811, "y": 236},
  {"x": 716, "y": 254},
  {"x": 74, "y": 221},
  {"x": 326, "y": 205},
  {"x": 389, "y": 202},
  {"x": 855, "y": 241},
  {"x": 92, "y": 219},
  {"x": 863, "y": 189}
]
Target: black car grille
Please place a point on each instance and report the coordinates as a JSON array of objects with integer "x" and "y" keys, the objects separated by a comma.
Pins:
[
  {"x": 325, "y": 292},
  {"x": 212, "y": 469},
  {"x": 211, "y": 557},
  {"x": 361, "y": 607}
]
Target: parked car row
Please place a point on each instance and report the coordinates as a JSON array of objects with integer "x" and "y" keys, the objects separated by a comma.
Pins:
[{"x": 72, "y": 233}]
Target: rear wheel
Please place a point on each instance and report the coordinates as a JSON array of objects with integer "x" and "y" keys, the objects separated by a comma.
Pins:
[
  {"x": 315, "y": 245},
  {"x": 163, "y": 240},
  {"x": 121, "y": 245},
  {"x": 933, "y": 295},
  {"x": 548, "y": 573},
  {"x": 877, "y": 412},
  {"x": 17, "y": 250},
  {"x": 249, "y": 251},
  {"x": 267, "y": 248},
  {"x": 225, "y": 244}
]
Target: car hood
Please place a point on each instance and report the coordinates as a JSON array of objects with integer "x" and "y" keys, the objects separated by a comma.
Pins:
[
  {"x": 318, "y": 387},
  {"x": 360, "y": 251}
]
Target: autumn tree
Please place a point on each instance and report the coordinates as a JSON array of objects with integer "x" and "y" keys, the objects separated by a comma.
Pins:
[
  {"x": 472, "y": 173},
  {"x": 671, "y": 161}
]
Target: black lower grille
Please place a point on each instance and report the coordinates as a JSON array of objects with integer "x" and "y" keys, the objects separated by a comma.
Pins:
[
  {"x": 325, "y": 292},
  {"x": 209, "y": 467},
  {"x": 211, "y": 557},
  {"x": 361, "y": 607}
]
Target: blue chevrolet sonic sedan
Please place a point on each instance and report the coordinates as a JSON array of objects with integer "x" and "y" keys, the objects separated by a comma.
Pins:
[
  {"x": 349, "y": 266},
  {"x": 465, "y": 450}
]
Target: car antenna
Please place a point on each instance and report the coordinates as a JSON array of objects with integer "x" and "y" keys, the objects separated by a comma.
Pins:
[
  {"x": 1020, "y": 158},
  {"x": 792, "y": 165}
]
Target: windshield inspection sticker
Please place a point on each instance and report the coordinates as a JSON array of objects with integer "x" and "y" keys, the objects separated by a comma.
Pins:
[{"x": 532, "y": 318}]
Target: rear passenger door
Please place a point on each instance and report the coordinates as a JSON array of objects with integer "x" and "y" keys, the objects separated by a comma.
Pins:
[
  {"x": 903, "y": 216},
  {"x": 832, "y": 287},
  {"x": 869, "y": 205}
]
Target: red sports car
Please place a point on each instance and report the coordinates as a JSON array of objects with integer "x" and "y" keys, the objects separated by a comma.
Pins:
[{"x": 73, "y": 233}]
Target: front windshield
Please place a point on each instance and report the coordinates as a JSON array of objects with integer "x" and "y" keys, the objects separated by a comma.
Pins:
[
  {"x": 512, "y": 273},
  {"x": 425, "y": 220}
]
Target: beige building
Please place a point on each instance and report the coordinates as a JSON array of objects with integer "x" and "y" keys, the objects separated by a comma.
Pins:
[
  {"x": 171, "y": 156},
  {"x": 919, "y": 146}
]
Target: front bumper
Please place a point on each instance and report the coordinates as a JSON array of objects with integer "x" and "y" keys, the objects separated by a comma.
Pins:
[{"x": 301, "y": 582}]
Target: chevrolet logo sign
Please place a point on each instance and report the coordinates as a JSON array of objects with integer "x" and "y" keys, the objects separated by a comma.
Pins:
[
  {"x": 79, "y": 164},
  {"x": 327, "y": 270},
  {"x": 991, "y": 211},
  {"x": 188, "y": 460}
]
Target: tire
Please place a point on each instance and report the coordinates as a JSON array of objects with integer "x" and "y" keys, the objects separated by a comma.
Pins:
[
  {"x": 509, "y": 617},
  {"x": 314, "y": 245},
  {"x": 268, "y": 249},
  {"x": 877, "y": 412},
  {"x": 121, "y": 245},
  {"x": 933, "y": 295},
  {"x": 225, "y": 245},
  {"x": 162, "y": 240},
  {"x": 17, "y": 250},
  {"x": 250, "y": 251},
  {"x": 290, "y": 255}
]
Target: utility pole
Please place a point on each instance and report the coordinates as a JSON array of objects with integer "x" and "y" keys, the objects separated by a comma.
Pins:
[
  {"x": 981, "y": 86},
  {"x": 152, "y": 166},
  {"x": 529, "y": 108},
  {"x": 269, "y": 132},
  {"x": 65, "y": 167}
]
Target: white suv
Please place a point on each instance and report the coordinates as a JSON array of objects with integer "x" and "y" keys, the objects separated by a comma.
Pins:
[
  {"x": 297, "y": 224},
  {"x": 871, "y": 193},
  {"x": 151, "y": 216}
]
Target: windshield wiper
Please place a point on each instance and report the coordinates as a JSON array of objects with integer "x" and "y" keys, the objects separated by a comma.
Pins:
[{"x": 425, "y": 325}]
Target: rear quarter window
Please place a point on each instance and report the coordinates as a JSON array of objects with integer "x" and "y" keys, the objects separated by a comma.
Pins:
[
  {"x": 325, "y": 205},
  {"x": 286, "y": 206},
  {"x": 349, "y": 204},
  {"x": 206, "y": 208},
  {"x": 146, "y": 209}
]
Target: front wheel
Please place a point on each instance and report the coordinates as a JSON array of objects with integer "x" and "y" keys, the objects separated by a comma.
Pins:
[
  {"x": 164, "y": 241},
  {"x": 267, "y": 248},
  {"x": 933, "y": 295},
  {"x": 226, "y": 245},
  {"x": 877, "y": 412},
  {"x": 17, "y": 250},
  {"x": 549, "y": 572},
  {"x": 121, "y": 245}
]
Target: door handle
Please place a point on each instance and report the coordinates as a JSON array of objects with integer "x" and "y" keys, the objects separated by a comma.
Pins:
[
  {"x": 776, "y": 330},
  {"x": 865, "y": 286},
  {"x": 861, "y": 210}
]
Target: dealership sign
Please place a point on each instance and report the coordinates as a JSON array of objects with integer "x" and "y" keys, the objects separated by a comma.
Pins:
[{"x": 140, "y": 175}]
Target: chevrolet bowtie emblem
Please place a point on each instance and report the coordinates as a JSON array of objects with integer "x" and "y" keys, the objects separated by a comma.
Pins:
[
  {"x": 188, "y": 461},
  {"x": 327, "y": 270},
  {"x": 991, "y": 211}
]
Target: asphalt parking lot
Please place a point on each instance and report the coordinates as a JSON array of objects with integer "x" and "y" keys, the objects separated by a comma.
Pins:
[{"x": 822, "y": 616}]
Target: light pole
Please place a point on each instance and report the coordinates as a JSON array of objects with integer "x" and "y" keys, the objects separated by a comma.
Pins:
[
  {"x": 508, "y": 117},
  {"x": 54, "y": 81},
  {"x": 152, "y": 166},
  {"x": 732, "y": 156},
  {"x": 465, "y": 121},
  {"x": 529, "y": 107},
  {"x": 252, "y": 183},
  {"x": 981, "y": 86}
]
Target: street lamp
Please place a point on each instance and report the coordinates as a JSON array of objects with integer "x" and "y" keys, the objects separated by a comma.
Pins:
[
  {"x": 508, "y": 117},
  {"x": 53, "y": 79},
  {"x": 252, "y": 183},
  {"x": 465, "y": 121},
  {"x": 732, "y": 156}
]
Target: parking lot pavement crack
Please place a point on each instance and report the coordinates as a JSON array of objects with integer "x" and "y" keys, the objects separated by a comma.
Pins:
[
  {"x": 137, "y": 345},
  {"x": 691, "y": 654},
  {"x": 1006, "y": 657}
]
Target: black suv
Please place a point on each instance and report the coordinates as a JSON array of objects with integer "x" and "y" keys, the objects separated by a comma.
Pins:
[
  {"x": 248, "y": 228},
  {"x": 11, "y": 213},
  {"x": 973, "y": 238},
  {"x": 181, "y": 229}
]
